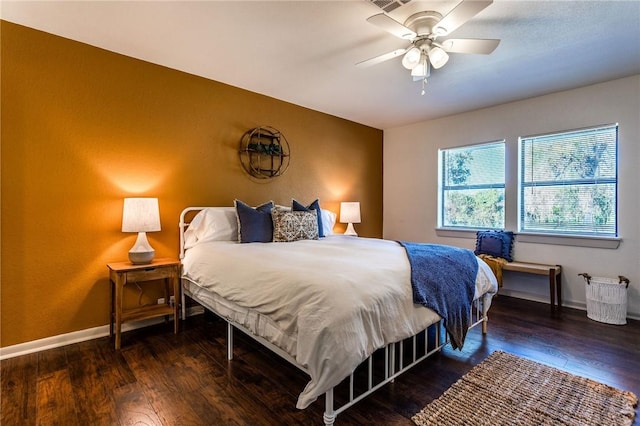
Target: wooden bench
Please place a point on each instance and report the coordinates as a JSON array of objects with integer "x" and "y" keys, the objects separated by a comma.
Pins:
[{"x": 552, "y": 271}]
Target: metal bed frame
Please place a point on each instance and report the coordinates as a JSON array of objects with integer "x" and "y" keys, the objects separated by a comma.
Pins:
[{"x": 394, "y": 353}]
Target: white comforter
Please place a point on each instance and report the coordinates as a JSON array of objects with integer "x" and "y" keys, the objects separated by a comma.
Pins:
[{"x": 335, "y": 300}]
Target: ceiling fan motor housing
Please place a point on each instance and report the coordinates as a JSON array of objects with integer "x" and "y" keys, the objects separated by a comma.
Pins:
[{"x": 423, "y": 23}]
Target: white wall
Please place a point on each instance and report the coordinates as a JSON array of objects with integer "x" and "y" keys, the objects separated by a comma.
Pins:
[{"x": 411, "y": 181}]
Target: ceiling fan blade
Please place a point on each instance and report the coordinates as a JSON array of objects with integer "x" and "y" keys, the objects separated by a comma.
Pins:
[
  {"x": 470, "y": 45},
  {"x": 391, "y": 26},
  {"x": 381, "y": 58},
  {"x": 460, "y": 14}
]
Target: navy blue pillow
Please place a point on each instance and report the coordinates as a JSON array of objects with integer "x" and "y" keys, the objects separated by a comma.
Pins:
[
  {"x": 296, "y": 206},
  {"x": 254, "y": 225},
  {"x": 495, "y": 243}
]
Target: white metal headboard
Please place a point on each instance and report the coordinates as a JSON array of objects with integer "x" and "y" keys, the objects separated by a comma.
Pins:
[{"x": 184, "y": 225}]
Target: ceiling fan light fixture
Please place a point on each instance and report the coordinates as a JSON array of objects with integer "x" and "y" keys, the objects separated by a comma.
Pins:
[
  {"x": 422, "y": 69},
  {"x": 411, "y": 58},
  {"x": 438, "y": 57}
]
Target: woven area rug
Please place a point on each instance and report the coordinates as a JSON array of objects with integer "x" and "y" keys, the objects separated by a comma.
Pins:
[{"x": 508, "y": 390}]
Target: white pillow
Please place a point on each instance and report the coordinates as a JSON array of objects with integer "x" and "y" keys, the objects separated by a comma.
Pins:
[
  {"x": 328, "y": 221},
  {"x": 212, "y": 224}
]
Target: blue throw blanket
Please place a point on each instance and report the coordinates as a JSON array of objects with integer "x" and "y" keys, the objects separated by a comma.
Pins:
[{"x": 443, "y": 279}]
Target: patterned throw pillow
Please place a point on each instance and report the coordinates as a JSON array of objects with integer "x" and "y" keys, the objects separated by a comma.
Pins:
[
  {"x": 294, "y": 225},
  {"x": 296, "y": 206},
  {"x": 495, "y": 243}
]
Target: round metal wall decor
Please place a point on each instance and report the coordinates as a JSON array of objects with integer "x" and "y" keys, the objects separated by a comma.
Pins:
[{"x": 264, "y": 152}]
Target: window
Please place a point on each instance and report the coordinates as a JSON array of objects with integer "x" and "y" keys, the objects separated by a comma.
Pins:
[
  {"x": 568, "y": 182},
  {"x": 472, "y": 186}
]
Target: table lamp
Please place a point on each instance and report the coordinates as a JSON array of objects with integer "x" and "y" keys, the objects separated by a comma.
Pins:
[
  {"x": 350, "y": 214},
  {"x": 141, "y": 215}
]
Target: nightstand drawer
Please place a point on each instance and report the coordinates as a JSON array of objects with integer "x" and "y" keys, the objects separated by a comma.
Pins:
[{"x": 149, "y": 274}]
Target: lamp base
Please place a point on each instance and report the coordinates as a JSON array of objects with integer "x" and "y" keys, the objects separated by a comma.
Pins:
[
  {"x": 350, "y": 230},
  {"x": 141, "y": 257},
  {"x": 141, "y": 253}
]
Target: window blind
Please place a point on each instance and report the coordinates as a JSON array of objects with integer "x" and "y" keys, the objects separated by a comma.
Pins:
[{"x": 568, "y": 182}]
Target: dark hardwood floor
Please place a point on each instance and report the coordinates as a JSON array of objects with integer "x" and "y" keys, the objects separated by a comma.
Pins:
[{"x": 159, "y": 378}]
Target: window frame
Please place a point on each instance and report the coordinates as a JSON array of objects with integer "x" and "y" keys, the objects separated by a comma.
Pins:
[
  {"x": 568, "y": 237},
  {"x": 442, "y": 187}
]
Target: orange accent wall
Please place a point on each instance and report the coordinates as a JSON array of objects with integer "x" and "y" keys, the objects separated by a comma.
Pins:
[{"x": 83, "y": 127}]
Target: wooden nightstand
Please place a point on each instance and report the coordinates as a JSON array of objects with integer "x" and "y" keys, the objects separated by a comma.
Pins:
[{"x": 123, "y": 273}]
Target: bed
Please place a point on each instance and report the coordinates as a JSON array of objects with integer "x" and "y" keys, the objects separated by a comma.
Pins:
[{"x": 325, "y": 305}]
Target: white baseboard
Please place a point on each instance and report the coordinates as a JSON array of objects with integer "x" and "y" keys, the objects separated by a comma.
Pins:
[
  {"x": 79, "y": 336},
  {"x": 545, "y": 299}
]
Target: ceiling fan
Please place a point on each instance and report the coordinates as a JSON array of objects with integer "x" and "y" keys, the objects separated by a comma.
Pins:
[{"x": 422, "y": 29}]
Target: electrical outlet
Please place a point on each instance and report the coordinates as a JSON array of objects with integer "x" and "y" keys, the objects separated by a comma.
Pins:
[
  {"x": 172, "y": 300},
  {"x": 161, "y": 301}
]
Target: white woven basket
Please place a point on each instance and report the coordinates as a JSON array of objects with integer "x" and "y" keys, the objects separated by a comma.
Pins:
[{"x": 607, "y": 299}]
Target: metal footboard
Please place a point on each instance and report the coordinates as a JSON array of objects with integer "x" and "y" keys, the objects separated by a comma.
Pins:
[
  {"x": 396, "y": 358},
  {"x": 395, "y": 367}
]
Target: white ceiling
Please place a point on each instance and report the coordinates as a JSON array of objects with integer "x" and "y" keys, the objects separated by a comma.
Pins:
[{"x": 304, "y": 51}]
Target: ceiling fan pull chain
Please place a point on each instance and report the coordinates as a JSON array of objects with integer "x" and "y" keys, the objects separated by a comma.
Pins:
[{"x": 424, "y": 81}]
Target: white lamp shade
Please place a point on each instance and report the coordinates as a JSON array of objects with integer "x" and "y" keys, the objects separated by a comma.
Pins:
[
  {"x": 350, "y": 212},
  {"x": 438, "y": 57},
  {"x": 140, "y": 215},
  {"x": 411, "y": 58}
]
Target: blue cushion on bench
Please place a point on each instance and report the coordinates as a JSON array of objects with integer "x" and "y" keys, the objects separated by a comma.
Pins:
[{"x": 495, "y": 243}]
